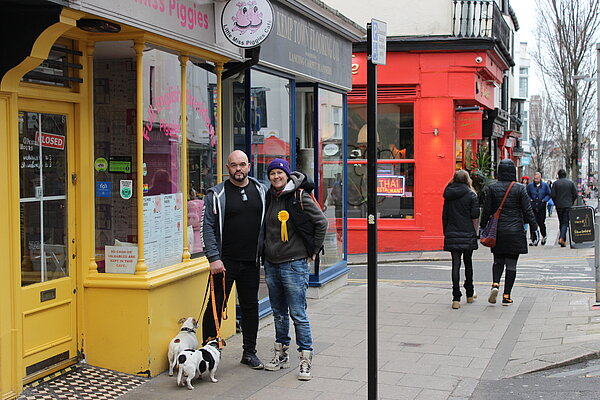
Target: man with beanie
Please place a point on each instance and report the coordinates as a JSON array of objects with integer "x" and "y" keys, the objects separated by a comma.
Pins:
[
  {"x": 294, "y": 232},
  {"x": 232, "y": 231}
]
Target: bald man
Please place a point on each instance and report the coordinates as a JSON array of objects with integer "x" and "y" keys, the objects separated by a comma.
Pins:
[{"x": 231, "y": 231}]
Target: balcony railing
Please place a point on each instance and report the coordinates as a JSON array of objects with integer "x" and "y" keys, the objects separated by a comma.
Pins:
[{"x": 480, "y": 19}]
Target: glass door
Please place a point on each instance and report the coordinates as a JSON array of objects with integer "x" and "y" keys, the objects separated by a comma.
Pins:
[{"x": 47, "y": 238}]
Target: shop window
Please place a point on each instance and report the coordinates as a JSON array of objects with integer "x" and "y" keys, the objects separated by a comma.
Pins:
[
  {"x": 331, "y": 172},
  {"x": 59, "y": 69},
  {"x": 270, "y": 121},
  {"x": 114, "y": 147},
  {"x": 395, "y": 141},
  {"x": 163, "y": 197},
  {"x": 201, "y": 146}
]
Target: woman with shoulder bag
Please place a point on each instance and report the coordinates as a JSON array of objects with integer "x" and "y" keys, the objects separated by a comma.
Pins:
[
  {"x": 511, "y": 240},
  {"x": 459, "y": 219}
]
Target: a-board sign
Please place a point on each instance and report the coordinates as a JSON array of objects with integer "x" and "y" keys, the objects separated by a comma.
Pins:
[{"x": 581, "y": 227}]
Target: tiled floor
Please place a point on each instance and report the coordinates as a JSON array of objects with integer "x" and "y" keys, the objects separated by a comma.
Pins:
[{"x": 83, "y": 382}]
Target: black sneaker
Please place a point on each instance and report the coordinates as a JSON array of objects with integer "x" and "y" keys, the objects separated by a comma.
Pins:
[
  {"x": 506, "y": 300},
  {"x": 251, "y": 360}
]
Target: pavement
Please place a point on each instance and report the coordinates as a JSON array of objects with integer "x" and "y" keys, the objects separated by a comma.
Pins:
[{"x": 426, "y": 350}]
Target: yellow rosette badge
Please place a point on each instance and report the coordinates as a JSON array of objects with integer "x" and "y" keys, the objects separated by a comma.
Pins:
[{"x": 283, "y": 216}]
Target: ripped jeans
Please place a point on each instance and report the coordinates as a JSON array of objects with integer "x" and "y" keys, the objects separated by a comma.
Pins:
[{"x": 287, "y": 283}]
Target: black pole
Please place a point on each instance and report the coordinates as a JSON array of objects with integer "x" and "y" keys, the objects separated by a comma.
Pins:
[{"x": 371, "y": 219}]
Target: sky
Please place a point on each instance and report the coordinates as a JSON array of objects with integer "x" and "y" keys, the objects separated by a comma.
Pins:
[{"x": 526, "y": 15}]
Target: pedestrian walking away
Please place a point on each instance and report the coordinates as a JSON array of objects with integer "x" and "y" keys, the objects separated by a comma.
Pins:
[
  {"x": 460, "y": 217},
  {"x": 232, "y": 232},
  {"x": 564, "y": 194},
  {"x": 294, "y": 232},
  {"x": 511, "y": 240},
  {"x": 539, "y": 194}
]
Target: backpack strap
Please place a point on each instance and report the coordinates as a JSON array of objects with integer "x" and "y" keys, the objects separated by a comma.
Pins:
[{"x": 299, "y": 198}]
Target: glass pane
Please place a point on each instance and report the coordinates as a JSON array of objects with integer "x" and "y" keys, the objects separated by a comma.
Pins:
[
  {"x": 114, "y": 145},
  {"x": 202, "y": 146},
  {"x": 55, "y": 238},
  {"x": 395, "y": 136},
  {"x": 331, "y": 121},
  {"x": 305, "y": 148},
  {"x": 54, "y": 152},
  {"x": 29, "y": 155},
  {"x": 163, "y": 197},
  {"x": 270, "y": 104},
  {"x": 31, "y": 262}
]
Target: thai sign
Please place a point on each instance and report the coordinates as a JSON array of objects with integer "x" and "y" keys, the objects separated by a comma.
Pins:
[
  {"x": 390, "y": 185},
  {"x": 247, "y": 24}
]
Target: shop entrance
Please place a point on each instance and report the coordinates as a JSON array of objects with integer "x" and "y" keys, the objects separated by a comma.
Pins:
[{"x": 48, "y": 264}]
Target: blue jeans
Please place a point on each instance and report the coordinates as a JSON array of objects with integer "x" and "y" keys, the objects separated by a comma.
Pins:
[
  {"x": 563, "y": 220},
  {"x": 287, "y": 283}
]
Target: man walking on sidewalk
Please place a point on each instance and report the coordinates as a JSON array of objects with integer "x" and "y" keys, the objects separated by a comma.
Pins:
[
  {"x": 539, "y": 193},
  {"x": 564, "y": 194},
  {"x": 231, "y": 231}
]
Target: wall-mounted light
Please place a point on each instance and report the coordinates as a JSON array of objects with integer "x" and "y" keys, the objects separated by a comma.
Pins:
[{"x": 435, "y": 131}]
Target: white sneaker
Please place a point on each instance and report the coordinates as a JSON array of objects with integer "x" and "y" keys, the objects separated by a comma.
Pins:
[
  {"x": 305, "y": 365},
  {"x": 493, "y": 295}
]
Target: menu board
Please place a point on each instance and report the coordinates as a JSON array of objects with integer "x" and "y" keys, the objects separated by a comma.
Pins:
[{"x": 163, "y": 230}]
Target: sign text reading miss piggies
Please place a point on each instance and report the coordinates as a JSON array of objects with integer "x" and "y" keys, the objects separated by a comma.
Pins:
[{"x": 187, "y": 14}]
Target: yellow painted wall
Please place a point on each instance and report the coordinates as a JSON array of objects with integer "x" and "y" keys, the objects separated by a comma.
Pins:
[
  {"x": 128, "y": 327},
  {"x": 9, "y": 384}
]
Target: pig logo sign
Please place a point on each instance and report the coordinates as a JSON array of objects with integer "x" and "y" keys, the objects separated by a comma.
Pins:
[{"x": 247, "y": 23}]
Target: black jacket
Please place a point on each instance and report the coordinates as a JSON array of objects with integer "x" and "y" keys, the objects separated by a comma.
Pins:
[
  {"x": 564, "y": 193},
  {"x": 515, "y": 213},
  {"x": 460, "y": 209}
]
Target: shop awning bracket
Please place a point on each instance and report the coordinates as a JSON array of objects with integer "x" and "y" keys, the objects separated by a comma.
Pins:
[{"x": 232, "y": 69}]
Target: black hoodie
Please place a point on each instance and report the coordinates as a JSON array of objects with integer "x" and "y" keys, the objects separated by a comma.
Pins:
[
  {"x": 515, "y": 213},
  {"x": 460, "y": 209}
]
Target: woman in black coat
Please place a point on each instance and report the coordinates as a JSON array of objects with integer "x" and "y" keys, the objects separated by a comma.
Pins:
[
  {"x": 511, "y": 239},
  {"x": 459, "y": 220}
]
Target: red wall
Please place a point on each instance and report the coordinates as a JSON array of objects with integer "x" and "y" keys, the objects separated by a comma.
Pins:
[{"x": 444, "y": 81}]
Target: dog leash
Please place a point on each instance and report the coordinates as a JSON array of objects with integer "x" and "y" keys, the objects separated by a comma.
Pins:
[
  {"x": 211, "y": 284},
  {"x": 224, "y": 316}
]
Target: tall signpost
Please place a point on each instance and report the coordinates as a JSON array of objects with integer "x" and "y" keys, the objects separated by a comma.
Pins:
[
  {"x": 376, "y": 54},
  {"x": 597, "y": 245}
]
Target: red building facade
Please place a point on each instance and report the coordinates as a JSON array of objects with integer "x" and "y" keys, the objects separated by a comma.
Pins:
[{"x": 434, "y": 105}]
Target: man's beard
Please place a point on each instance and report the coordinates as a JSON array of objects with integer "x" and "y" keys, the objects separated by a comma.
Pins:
[{"x": 235, "y": 177}]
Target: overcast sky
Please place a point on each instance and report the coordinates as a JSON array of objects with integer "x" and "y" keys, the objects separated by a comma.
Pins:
[{"x": 526, "y": 15}]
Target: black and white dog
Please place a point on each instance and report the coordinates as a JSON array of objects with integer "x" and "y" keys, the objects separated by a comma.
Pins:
[
  {"x": 185, "y": 339},
  {"x": 193, "y": 363}
]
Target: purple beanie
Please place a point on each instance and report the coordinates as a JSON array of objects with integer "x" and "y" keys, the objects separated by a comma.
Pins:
[{"x": 281, "y": 164}]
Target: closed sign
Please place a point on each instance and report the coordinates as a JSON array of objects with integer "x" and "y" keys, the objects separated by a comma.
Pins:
[{"x": 50, "y": 140}]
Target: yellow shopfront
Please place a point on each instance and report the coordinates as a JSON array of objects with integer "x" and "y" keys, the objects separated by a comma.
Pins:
[{"x": 107, "y": 140}]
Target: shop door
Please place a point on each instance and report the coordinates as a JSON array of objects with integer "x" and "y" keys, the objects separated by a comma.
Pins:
[{"x": 48, "y": 264}]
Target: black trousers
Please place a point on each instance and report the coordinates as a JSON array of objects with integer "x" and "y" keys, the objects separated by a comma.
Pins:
[
  {"x": 540, "y": 218},
  {"x": 467, "y": 257},
  {"x": 563, "y": 221},
  {"x": 246, "y": 275},
  {"x": 510, "y": 262}
]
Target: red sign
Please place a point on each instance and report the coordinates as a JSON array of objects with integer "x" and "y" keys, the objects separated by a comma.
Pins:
[
  {"x": 390, "y": 185},
  {"x": 51, "y": 140},
  {"x": 469, "y": 125}
]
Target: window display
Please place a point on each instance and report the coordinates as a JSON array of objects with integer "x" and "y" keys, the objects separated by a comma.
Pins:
[
  {"x": 395, "y": 141},
  {"x": 114, "y": 146}
]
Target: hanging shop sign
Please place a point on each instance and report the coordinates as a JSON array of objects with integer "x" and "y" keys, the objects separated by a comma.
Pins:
[
  {"x": 247, "y": 24},
  {"x": 390, "y": 185},
  {"x": 301, "y": 46},
  {"x": 469, "y": 125}
]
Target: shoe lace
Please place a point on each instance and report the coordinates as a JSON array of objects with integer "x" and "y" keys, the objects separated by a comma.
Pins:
[
  {"x": 304, "y": 366},
  {"x": 276, "y": 357}
]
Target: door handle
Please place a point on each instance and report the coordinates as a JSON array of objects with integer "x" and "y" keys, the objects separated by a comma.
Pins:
[{"x": 74, "y": 178}]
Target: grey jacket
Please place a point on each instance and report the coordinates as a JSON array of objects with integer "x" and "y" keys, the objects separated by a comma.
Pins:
[
  {"x": 213, "y": 217},
  {"x": 277, "y": 251}
]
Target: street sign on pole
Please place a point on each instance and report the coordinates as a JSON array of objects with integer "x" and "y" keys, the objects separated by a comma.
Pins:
[{"x": 378, "y": 41}]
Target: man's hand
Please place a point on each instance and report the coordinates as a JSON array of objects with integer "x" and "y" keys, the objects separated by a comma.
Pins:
[
  {"x": 217, "y": 267},
  {"x": 312, "y": 258}
]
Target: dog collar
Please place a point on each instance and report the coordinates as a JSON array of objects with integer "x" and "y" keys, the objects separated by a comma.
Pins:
[{"x": 186, "y": 329}]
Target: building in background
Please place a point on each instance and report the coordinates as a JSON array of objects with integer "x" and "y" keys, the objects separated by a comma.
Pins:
[{"x": 444, "y": 96}]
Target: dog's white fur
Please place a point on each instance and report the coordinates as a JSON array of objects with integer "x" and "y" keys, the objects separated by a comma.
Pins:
[
  {"x": 185, "y": 339},
  {"x": 192, "y": 363}
]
